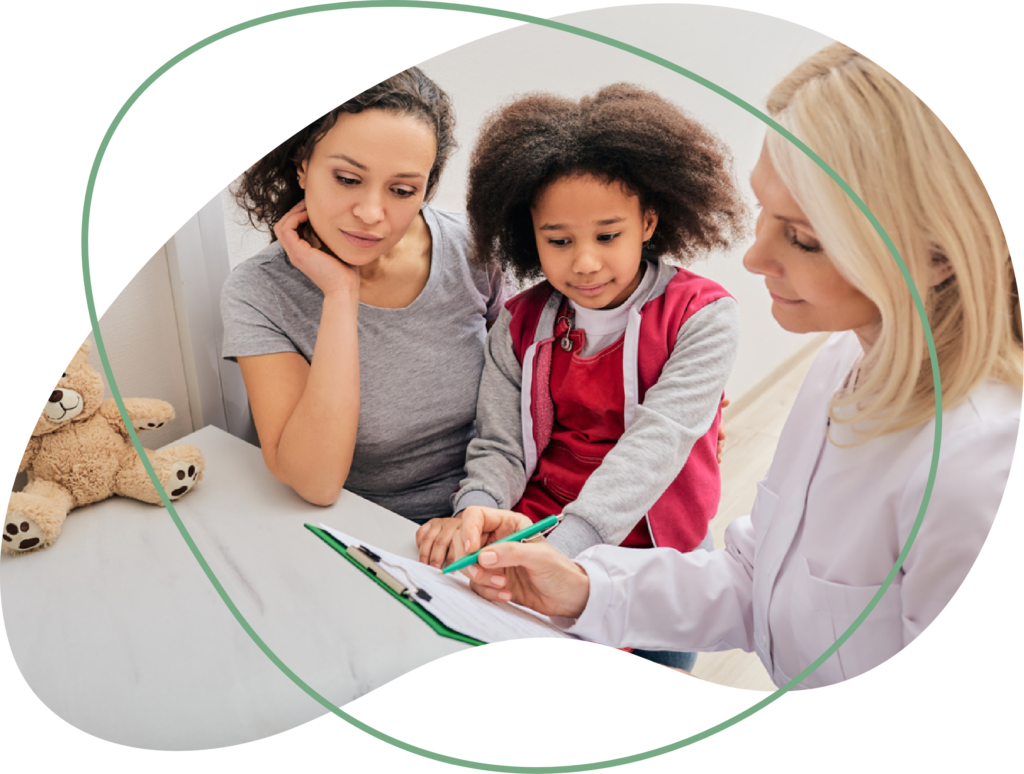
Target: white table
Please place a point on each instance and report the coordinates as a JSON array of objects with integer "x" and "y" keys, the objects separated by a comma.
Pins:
[{"x": 118, "y": 631}]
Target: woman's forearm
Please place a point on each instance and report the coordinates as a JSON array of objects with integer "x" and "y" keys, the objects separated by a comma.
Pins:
[{"x": 313, "y": 454}]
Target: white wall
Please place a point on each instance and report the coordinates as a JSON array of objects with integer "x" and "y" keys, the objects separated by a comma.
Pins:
[
  {"x": 140, "y": 333},
  {"x": 742, "y": 52}
]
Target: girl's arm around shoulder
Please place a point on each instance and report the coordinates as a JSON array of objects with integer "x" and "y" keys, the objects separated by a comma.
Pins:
[{"x": 676, "y": 411}]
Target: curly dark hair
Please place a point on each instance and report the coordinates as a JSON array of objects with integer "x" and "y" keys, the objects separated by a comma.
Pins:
[
  {"x": 270, "y": 187},
  {"x": 622, "y": 134}
]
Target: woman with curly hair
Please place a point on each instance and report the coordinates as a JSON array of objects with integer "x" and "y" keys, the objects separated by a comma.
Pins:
[
  {"x": 601, "y": 387},
  {"x": 843, "y": 494},
  {"x": 347, "y": 326}
]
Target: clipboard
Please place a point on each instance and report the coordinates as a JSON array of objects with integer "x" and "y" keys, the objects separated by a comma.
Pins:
[{"x": 366, "y": 561}]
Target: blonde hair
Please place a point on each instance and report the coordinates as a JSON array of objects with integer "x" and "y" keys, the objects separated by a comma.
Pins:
[{"x": 918, "y": 182}]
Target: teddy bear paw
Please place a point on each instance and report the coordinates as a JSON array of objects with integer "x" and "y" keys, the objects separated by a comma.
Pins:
[
  {"x": 150, "y": 423},
  {"x": 182, "y": 478},
  {"x": 21, "y": 533}
]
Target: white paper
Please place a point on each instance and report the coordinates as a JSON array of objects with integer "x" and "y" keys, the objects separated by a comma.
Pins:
[{"x": 455, "y": 604}]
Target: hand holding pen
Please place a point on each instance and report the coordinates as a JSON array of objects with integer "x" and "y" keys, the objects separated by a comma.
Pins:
[
  {"x": 532, "y": 574},
  {"x": 532, "y": 531}
]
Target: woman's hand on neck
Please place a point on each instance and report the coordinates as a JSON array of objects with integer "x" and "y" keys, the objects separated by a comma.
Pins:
[{"x": 334, "y": 277}]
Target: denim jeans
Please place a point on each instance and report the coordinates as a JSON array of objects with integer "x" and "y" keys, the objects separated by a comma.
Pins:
[{"x": 672, "y": 658}]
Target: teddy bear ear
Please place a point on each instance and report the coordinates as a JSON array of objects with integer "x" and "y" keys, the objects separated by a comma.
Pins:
[{"x": 85, "y": 349}]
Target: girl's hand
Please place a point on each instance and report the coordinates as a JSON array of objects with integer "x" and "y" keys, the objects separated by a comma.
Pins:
[
  {"x": 328, "y": 273},
  {"x": 532, "y": 574},
  {"x": 434, "y": 539},
  {"x": 721, "y": 432}
]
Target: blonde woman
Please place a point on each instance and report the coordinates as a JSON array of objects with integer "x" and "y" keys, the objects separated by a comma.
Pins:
[{"x": 844, "y": 489}]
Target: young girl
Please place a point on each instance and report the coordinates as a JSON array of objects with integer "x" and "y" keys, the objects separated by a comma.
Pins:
[{"x": 601, "y": 387}]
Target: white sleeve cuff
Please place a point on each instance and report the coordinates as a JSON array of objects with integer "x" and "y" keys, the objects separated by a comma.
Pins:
[{"x": 591, "y": 621}]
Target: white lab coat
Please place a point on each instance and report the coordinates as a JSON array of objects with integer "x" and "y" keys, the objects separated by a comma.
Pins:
[{"x": 827, "y": 526}]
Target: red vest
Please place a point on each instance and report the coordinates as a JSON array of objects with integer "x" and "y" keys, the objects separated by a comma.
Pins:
[{"x": 575, "y": 409}]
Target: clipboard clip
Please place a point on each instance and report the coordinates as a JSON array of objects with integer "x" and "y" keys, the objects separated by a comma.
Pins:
[
  {"x": 545, "y": 533},
  {"x": 368, "y": 560}
]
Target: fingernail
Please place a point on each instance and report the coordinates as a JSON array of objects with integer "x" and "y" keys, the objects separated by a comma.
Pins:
[
  {"x": 498, "y": 580},
  {"x": 504, "y": 596},
  {"x": 465, "y": 546},
  {"x": 488, "y": 558},
  {"x": 472, "y": 570}
]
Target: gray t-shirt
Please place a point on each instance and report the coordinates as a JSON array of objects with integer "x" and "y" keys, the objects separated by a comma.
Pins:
[{"x": 419, "y": 366}]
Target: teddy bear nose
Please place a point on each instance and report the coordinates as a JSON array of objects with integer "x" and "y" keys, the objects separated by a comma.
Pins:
[{"x": 56, "y": 396}]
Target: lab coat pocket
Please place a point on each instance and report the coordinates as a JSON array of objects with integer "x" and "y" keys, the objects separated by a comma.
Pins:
[{"x": 832, "y": 609}]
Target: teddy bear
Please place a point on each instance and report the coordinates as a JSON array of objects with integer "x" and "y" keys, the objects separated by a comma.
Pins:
[{"x": 80, "y": 453}]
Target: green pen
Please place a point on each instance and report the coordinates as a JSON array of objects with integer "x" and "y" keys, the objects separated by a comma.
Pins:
[{"x": 541, "y": 529}]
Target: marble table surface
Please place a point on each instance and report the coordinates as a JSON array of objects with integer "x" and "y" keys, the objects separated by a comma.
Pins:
[{"x": 119, "y": 632}]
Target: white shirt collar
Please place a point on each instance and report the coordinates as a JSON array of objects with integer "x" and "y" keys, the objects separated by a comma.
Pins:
[{"x": 598, "y": 322}]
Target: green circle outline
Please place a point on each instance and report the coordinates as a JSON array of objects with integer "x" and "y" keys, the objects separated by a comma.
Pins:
[{"x": 767, "y": 120}]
